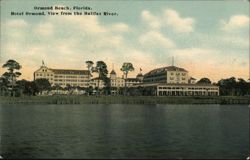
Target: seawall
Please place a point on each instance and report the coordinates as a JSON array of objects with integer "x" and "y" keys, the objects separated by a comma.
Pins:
[{"x": 66, "y": 99}]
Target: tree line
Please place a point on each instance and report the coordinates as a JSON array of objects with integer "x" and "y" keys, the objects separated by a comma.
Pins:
[
  {"x": 10, "y": 86},
  {"x": 230, "y": 86}
]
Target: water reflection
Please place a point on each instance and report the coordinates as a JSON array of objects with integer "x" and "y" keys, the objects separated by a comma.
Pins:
[{"x": 124, "y": 131}]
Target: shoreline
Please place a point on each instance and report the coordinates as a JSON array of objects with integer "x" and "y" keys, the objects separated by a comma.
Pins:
[{"x": 76, "y": 99}]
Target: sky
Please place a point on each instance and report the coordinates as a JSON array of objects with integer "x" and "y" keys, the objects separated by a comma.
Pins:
[{"x": 207, "y": 38}]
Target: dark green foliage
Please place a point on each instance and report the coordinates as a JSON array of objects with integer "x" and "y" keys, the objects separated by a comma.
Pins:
[
  {"x": 12, "y": 65},
  {"x": 56, "y": 87},
  {"x": 204, "y": 81},
  {"x": 33, "y": 87},
  {"x": 11, "y": 75},
  {"x": 27, "y": 87},
  {"x": 89, "y": 90},
  {"x": 101, "y": 69},
  {"x": 42, "y": 84},
  {"x": 3, "y": 86},
  {"x": 3, "y": 81},
  {"x": 231, "y": 87},
  {"x": 126, "y": 68}
]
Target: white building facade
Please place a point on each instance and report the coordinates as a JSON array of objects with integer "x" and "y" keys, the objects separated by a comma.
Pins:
[
  {"x": 170, "y": 74},
  {"x": 63, "y": 77},
  {"x": 94, "y": 83},
  {"x": 174, "y": 81}
]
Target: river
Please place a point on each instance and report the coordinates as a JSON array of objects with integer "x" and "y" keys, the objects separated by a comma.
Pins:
[{"x": 124, "y": 131}]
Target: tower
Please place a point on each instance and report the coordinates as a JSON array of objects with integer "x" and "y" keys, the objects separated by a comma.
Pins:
[
  {"x": 140, "y": 75},
  {"x": 173, "y": 61},
  {"x": 112, "y": 73}
]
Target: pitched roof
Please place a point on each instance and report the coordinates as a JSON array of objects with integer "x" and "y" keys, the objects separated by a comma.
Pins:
[
  {"x": 175, "y": 84},
  {"x": 139, "y": 75},
  {"x": 112, "y": 72},
  {"x": 70, "y": 71},
  {"x": 164, "y": 70},
  {"x": 174, "y": 68}
]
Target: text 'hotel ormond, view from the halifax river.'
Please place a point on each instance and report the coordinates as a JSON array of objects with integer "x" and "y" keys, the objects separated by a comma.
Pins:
[{"x": 165, "y": 81}]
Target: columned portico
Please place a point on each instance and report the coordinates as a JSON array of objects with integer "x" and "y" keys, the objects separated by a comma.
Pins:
[
  {"x": 162, "y": 89},
  {"x": 187, "y": 90}
]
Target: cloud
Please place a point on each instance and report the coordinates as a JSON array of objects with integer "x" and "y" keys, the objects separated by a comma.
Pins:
[
  {"x": 235, "y": 41},
  {"x": 152, "y": 20},
  {"x": 17, "y": 23},
  {"x": 14, "y": 29},
  {"x": 44, "y": 29},
  {"x": 119, "y": 27},
  {"x": 73, "y": 40},
  {"x": 170, "y": 18},
  {"x": 90, "y": 23},
  {"x": 235, "y": 23},
  {"x": 179, "y": 24},
  {"x": 194, "y": 52},
  {"x": 154, "y": 39}
]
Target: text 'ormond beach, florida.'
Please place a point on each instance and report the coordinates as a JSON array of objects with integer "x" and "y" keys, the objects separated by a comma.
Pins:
[{"x": 63, "y": 10}]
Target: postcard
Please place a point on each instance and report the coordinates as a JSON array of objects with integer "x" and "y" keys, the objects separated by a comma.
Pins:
[{"x": 124, "y": 79}]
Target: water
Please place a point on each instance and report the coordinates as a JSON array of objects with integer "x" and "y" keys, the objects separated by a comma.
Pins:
[{"x": 124, "y": 131}]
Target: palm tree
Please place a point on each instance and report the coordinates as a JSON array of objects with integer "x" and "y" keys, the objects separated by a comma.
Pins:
[
  {"x": 89, "y": 65},
  {"x": 126, "y": 68},
  {"x": 101, "y": 69},
  {"x": 11, "y": 75}
]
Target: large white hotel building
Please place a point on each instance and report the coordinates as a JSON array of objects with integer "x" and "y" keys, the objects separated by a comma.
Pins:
[
  {"x": 64, "y": 77},
  {"x": 174, "y": 81},
  {"x": 165, "y": 81}
]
